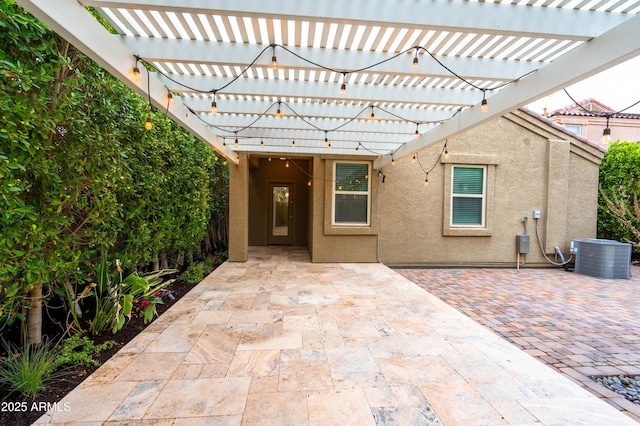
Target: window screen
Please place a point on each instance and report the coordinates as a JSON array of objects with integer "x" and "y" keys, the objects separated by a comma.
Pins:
[
  {"x": 468, "y": 196},
  {"x": 351, "y": 193}
]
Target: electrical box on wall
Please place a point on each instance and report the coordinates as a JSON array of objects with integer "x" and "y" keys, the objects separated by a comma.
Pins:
[
  {"x": 536, "y": 214},
  {"x": 522, "y": 244}
]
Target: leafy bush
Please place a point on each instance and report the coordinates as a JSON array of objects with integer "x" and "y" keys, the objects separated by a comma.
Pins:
[
  {"x": 194, "y": 274},
  {"x": 80, "y": 350},
  {"x": 618, "y": 210},
  {"x": 27, "y": 370}
]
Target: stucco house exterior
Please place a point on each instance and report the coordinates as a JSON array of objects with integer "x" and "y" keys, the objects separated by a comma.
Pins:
[
  {"x": 588, "y": 119},
  {"x": 480, "y": 192}
]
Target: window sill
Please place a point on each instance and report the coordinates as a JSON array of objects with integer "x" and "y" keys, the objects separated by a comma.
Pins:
[
  {"x": 466, "y": 232},
  {"x": 330, "y": 229}
]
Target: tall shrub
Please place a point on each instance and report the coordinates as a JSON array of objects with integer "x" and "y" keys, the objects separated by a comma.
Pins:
[
  {"x": 618, "y": 210},
  {"x": 80, "y": 177}
]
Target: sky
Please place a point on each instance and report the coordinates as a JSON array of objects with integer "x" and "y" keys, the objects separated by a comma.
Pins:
[{"x": 617, "y": 88}]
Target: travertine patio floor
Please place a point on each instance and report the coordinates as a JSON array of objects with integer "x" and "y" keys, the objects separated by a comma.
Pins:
[{"x": 278, "y": 340}]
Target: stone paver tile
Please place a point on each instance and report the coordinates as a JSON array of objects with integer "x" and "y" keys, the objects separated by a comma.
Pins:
[
  {"x": 328, "y": 408},
  {"x": 151, "y": 366},
  {"x": 139, "y": 401},
  {"x": 304, "y": 376},
  {"x": 572, "y": 411},
  {"x": 255, "y": 363},
  {"x": 91, "y": 402},
  {"x": 350, "y": 360},
  {"x": 213, "y": 347},
  {"x": 176, "y": 338},
  {"x": 201, "y": 398},
  {"x": 282, "y": 408},
  {"x": 209, "y": 421},
  {"x": 269, "y": 339}
]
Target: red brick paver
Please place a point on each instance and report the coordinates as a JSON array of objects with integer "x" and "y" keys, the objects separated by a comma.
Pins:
[{"x": 579, "y": 325}]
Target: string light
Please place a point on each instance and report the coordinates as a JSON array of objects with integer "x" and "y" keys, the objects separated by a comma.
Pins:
[
  {"x": 148, "y": 124},
  {"x": 343, "y": 84},
  {"x": 413, "y": 160},
  {"x": 309, "y": 182},
  {"x": 446, "y": 152},
  {"x": 326, "y": 139},
  {"x": 357, "y": 146},
  {"x": 329, "y": 145},
  {"x": 293, "y": 144},
  {"x": 417, "y": 134},
  {"x": 214, "y": 105},
  {"x": 278, "y": 112},
  {"x": 373, "y": 116},
  {"x": 393, "y": 160},
  {"x": 236, "y": 143},
  {"x": 606, "y": 134},
  {"x": 287, "y": 164},
  {"x": 426, "y": 180},
  {"x": 274, "y": 60},
  {"x": 136, "y": 70},
  {"x": 415, "y": 61},
  {"x": 261, "y": 143},
  {"x": 169, "y": 97},
  {"x": 485, "y": 105}
]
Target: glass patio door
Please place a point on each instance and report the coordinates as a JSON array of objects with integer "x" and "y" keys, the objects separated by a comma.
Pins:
[{"x": 280, "y": 214}]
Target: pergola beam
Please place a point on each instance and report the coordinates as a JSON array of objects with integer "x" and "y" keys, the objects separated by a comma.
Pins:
[
  {"x": 474, "y": 17},
  {"x": 609, "y": 49}
]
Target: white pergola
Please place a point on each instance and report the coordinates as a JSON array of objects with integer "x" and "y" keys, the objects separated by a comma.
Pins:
[{"x": 509, "y": 52}]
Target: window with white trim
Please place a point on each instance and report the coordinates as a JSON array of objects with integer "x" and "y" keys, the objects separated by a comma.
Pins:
[
  {"x": 351, "y": 193},
  {"x": 468, "y": 196}
]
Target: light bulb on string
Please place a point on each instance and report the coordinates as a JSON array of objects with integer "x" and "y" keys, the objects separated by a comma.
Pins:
[
  {"x": 326, "y": 139},
  {"x": 278, "y": 112},
  {"x": 214, "y": 105},
  {"x": 261, "y": 143},
  {"x": 415, "y": 61},
  {"x": 236, "y": 143},
  {"x": 417, "y": 133},
  {"x": 485, "y": 105},
  {"x": 287, "y": 164},
  {"x": 426, "y": 180},
  {"x": 357, "y": 146},
  {"x": 329, "y": 145},
  {"x": 343, "y": 87},
  {"x": 446, "y": 151},
  {"x": 393, "y": 160},
  {"x": 372, "y": 116},
  {"x": 274, "y": 60},
  {"x": 136, "y": 70},
  {"x": 606, "y": 134},
  {"x": 413, "y": 160},
  {"x": 293, "y": 144},
  {"x": 148, "y": 124}
]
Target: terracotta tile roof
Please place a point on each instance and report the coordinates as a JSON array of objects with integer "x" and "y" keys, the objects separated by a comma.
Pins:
[{"x": 593, "y": 108}]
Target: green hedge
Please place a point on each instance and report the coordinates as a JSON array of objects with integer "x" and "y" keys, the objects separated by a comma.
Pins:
[{"x": 80, "y": 176}]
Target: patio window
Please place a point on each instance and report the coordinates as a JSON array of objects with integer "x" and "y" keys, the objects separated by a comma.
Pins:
[
  {"x": 468, "y": 196},
  {"x": 351, "y": 193}
]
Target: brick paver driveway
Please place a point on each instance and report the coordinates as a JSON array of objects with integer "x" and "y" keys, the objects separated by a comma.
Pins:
[{"x": 581, "y": 326}]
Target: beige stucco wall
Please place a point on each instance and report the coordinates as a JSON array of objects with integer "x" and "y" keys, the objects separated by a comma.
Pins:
[
  {"x": 531, "y": 165},
  {"x": 339, "y": 243},
  {"x": 535, "y": 167}
]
